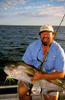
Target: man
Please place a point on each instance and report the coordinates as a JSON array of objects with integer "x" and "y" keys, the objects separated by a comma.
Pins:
[{"x": 54, "y": 63}]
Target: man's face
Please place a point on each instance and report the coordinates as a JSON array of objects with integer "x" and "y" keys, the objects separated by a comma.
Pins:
[{"x": 46, "y": 38}]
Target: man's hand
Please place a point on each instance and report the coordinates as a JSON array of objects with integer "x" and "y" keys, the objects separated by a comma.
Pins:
[
  {"x": 48, "y": 76},
  {"x": 37, "y": 76}
]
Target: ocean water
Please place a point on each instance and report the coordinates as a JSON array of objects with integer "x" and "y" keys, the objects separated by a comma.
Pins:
[{"x": 14, "y": 41}]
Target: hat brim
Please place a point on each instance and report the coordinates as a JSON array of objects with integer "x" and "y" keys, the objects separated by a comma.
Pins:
[{"x": 46, "y": 31}]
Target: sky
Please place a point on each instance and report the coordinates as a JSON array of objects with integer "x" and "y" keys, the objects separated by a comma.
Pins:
[{"x": 32, "y": 12}]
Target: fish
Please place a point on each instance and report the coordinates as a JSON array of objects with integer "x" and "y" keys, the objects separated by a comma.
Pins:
[
  {"x": 25, "y": 72},
  {"x": 20, "y": 71}
]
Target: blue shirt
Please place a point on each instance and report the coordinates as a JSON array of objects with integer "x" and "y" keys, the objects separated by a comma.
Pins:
[{"x": 55, "y": 60}]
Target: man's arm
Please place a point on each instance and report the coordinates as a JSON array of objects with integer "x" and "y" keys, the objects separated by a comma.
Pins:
[{"x": 53, "y": 75}]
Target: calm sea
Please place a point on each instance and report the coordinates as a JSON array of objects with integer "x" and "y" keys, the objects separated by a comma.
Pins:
[{"x": 14, "y": 41}]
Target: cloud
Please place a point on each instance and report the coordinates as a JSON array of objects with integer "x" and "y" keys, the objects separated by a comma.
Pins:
[
  {"x": 3, "y": 6},
  {"x": 47, "y": 9},
  {"x": 28, "y": 7},
  {"x": 15, "y": 14},
  {"x": 11, "y": 3},
  {"x": 41, "y": 11},
  {"x": 15, "y": 2},
  {"x": 57, "y": 0},
  {"x": 60, "y": 0},
  {"x": 50, "y": 11},
  {"x": 31, "y": 10}
]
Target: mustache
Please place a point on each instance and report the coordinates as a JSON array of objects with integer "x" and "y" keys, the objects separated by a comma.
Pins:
[{"x": 46, "y": 38}]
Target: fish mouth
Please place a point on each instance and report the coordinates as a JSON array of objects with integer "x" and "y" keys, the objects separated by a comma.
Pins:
[{"x": 6, "y": 70}]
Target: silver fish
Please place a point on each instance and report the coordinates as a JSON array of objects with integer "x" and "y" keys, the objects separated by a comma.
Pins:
[
  {"x": 20, "y": 71},
  {"x": 24, "y": 72}
]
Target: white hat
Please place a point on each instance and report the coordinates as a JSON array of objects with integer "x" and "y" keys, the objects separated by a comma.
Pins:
[{"x": 46, "y": 28}]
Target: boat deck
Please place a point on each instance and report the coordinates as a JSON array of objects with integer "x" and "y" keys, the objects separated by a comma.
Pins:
[
  {"x": 14, "y": 96},
  {"x": 10, "y": 93}
]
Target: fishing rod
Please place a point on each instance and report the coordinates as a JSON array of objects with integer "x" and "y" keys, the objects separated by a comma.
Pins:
[{"x": 59, "y": 25}]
